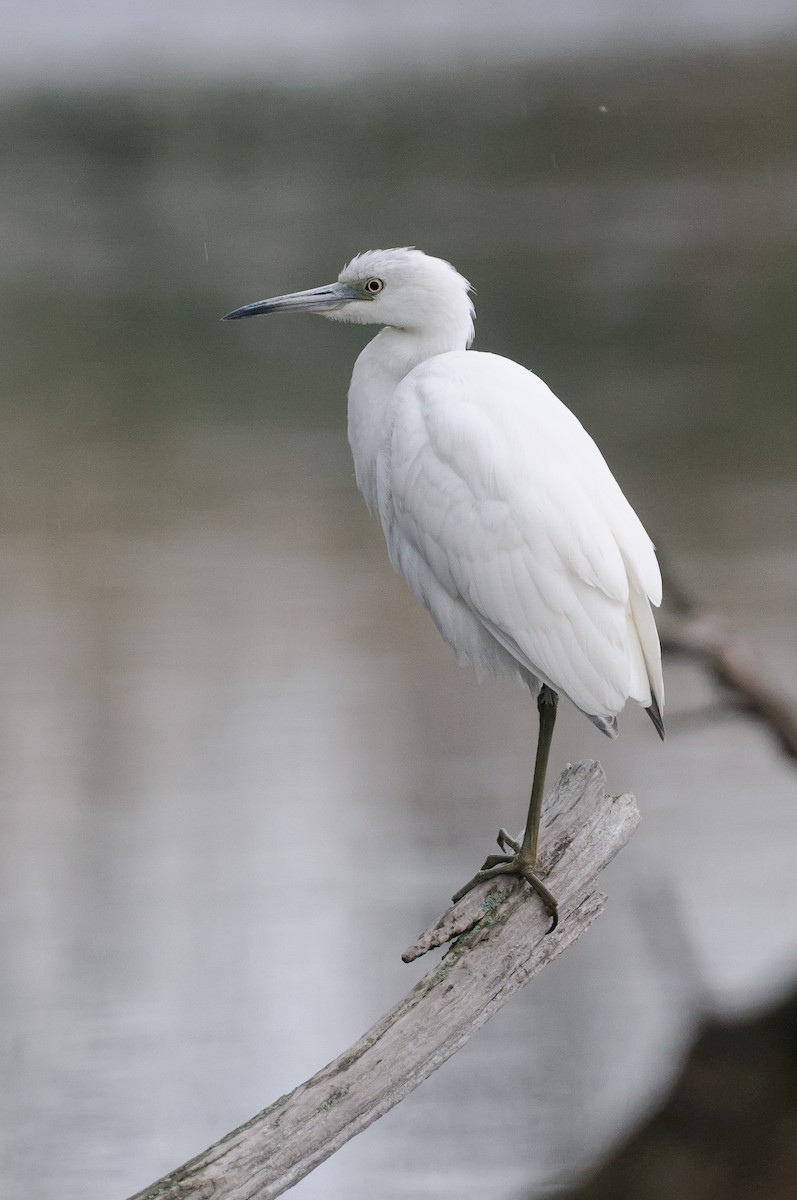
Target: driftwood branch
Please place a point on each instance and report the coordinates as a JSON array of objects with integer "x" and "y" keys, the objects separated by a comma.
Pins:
[{"x": 500, "y": 930}]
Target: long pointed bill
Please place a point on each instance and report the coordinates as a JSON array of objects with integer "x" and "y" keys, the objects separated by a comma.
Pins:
[{"x": 316, "y": 300}]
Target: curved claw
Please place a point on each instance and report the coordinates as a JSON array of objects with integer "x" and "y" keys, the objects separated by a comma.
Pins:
[
  {"x": 507, "y": 842},
  {"x": 548, "y": 899}
]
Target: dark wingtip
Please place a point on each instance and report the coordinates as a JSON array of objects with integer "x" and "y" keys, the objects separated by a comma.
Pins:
[{"x": 654, "y": 712}]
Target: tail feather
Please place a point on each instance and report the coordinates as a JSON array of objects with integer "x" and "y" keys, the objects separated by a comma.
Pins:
[
  {"x": 654, "y": 712},
  {"x": 607, "y": 725},
  {"x": 651, "y": 653}
]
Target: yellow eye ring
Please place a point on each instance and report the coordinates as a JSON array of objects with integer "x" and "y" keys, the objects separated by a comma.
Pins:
[{"x": 373, "y": 286}]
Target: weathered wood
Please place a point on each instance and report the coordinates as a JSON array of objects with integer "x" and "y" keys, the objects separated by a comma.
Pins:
[{"x": 501, "y": 944}]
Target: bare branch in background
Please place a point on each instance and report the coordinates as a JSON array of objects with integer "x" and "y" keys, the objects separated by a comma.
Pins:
[
  {"x": 688, "y": 629},
  {"x": 500, "y": 944}
]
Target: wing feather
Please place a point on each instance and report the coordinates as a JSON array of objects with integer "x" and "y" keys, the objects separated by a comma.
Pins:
[{"x": 505, "y": 498}]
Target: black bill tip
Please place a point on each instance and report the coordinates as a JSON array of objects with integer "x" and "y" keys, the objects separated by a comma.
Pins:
[{"x": 248, "y": 310}]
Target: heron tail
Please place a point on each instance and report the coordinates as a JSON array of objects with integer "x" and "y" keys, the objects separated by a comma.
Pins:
[{"x": 648, "y": 638}]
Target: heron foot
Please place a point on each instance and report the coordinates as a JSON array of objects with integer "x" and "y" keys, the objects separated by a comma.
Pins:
[{"x": 512, "y": 864}]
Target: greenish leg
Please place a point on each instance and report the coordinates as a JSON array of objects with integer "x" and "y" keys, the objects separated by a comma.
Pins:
[
  {"x": 546, "y": 705},
  {"x": 524, "y": 858}
]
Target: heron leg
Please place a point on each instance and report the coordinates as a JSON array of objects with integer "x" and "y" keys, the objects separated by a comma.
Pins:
[
  {"x": 547, "y": 702},
  {"x": 524, "y": 858}
]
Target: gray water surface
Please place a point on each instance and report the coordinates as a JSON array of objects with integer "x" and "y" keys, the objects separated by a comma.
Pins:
[{"x": 241, "y": 771}]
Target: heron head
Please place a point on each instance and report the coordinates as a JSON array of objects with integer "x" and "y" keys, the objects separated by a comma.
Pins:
[{"x": 403, "y": 288}]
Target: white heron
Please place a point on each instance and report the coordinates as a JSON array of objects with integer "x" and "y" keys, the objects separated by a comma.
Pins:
[{"x": 497, "y": 508}]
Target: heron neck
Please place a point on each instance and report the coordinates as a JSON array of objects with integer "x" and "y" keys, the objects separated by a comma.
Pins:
[{"x": 379, "y": 370}]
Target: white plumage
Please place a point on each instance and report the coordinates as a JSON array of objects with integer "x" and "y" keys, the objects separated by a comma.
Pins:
[{"x": 496, "y": 505}]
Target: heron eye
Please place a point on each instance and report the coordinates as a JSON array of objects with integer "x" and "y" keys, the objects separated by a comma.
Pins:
[{"x": 374, "y": 286}]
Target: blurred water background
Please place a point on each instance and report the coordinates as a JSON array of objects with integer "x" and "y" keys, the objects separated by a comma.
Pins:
[{"x": 240, "y": 770}]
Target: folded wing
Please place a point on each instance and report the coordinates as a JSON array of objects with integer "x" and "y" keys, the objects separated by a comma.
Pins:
[{"x": 493, "y": 485}]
